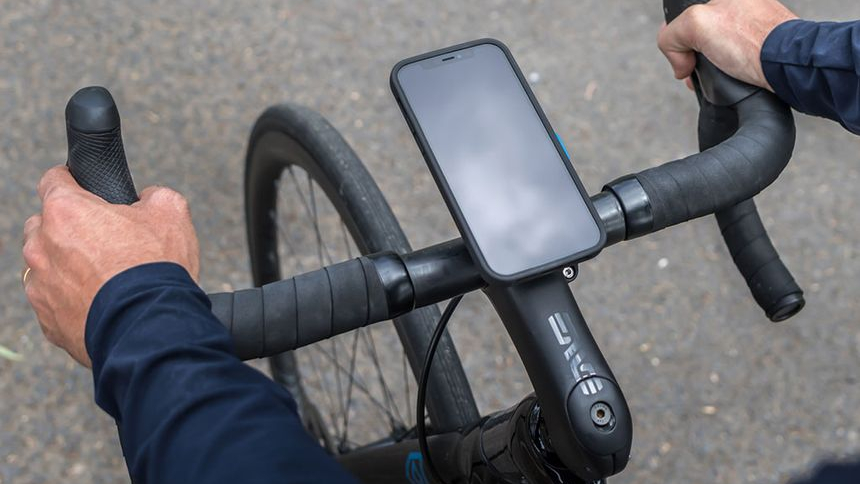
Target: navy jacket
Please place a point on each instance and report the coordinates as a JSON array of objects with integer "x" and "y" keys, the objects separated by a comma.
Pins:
[
  {"x": 188, "y": 411},
  {"x": 815, "y": 68}
]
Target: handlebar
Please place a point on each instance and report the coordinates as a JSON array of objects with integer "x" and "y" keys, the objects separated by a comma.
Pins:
[
  {"x": 333, "y": 300},
  {"x": 747, "y": 136}
]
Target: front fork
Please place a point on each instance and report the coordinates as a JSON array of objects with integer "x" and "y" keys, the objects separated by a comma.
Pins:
[{"x": 585, "y": 415}]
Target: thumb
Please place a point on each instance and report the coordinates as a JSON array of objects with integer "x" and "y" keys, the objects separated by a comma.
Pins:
[
  {"x": 159, "y": 197},
  {"x": 147, "y": 193}
]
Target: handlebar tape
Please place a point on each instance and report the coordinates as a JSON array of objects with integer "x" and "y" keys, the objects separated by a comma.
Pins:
[
  {"x": 302, "y": 310},
  {"x": 769, "y": 280},
  {"x": 96, "y": 155},
  {"x": 726, "y": 174}
]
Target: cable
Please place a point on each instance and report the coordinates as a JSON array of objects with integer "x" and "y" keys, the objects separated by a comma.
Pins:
[{"x": 420, "y": 427}]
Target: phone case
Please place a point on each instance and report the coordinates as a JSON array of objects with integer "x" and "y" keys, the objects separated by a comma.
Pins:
[{"x": 487, "y": 273}]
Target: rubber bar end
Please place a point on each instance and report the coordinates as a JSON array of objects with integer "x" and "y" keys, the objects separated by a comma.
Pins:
[
  {"x": 92, "y": 110},
  {"x": 788, "y": 306}
]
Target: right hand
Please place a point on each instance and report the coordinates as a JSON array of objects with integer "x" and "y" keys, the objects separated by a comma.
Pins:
[{"x": 730, "y": 33}]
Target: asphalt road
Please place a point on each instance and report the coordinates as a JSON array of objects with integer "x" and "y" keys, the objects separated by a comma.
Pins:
[{"x": 718, "y": 393}]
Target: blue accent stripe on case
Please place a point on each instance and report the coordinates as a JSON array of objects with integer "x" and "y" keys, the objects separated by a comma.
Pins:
[{"x": 563, "y": 146}]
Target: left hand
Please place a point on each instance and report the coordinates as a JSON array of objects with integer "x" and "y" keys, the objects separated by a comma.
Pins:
[{"x": 79, "y": 242}]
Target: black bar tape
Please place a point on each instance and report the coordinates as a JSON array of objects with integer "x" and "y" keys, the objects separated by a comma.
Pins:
[
  {"x": 769, "y": 280},
  {"x": 279, "y": 315},
  {"x": 313, "y": 303},
  {"x": 728, "y": 173},
  {"x": 303, "y": 310},
  {"x": 247, "y": 314},
  {"x": 348, "y": 302}
]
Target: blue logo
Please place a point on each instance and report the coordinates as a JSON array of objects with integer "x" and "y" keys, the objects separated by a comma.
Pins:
[{"x": 415, "y": 469}]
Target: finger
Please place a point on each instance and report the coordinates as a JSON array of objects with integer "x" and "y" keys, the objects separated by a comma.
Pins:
[
  {"x": 689, "y": 82},
  {"x": 33, "y": 255},
  {"x": 32, "y": 223},
  {"x": 29, "y": 247},
  {"x": 57, "y": 177},
  {"x": 684, "y": 32},
  {"x": 683, "y": 63},
  {"x": 673, "y": 41},
  {"x": 30, "y": 227}
]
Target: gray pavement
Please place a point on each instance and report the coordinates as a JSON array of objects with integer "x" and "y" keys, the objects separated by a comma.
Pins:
[{"x": 718, "y": 393}]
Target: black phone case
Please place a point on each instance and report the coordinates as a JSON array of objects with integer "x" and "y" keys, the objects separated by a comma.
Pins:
[{"x": 487, "y": 273}]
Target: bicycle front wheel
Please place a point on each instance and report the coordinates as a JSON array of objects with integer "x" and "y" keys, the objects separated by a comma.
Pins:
[{"x": 309, "y": 202}]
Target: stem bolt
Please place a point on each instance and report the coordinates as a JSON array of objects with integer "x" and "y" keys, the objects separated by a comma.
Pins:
[{"x": 601, "y": 414}]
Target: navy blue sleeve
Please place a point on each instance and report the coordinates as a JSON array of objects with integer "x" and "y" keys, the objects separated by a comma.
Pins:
[
  {"x": 833, "y": 473},
  {"x": 187, "y": 409},
  {"x": 815, "y": 67}
]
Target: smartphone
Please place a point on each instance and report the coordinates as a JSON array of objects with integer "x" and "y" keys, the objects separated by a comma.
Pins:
[{"x": 502, "y": 171}]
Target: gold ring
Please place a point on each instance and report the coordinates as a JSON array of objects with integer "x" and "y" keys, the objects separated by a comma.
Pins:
[{"x": 24, "y": 276}]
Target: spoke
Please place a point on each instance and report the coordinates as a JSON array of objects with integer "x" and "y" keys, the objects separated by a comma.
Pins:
[
  {"x": 345, "y": 240},
  {"x": 337, "y": 379},
  {"x": 331, "y": 405},
  {"x": 375, "y": 357},
  {"x": 349, "y": 386},
  {"x": 386, "y": 411},
  {"x": 291, "y": 248},
  {"x": 308, "y": 210},
  {"x": 345, "y": 436},
  {"x": 406, "y": 386},
  {"x": 316, "y": 220},
  {"x": 288, "y": 241}
]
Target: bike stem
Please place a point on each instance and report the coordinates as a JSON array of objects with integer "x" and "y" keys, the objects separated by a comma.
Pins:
[{"x": 586, "y": 415}]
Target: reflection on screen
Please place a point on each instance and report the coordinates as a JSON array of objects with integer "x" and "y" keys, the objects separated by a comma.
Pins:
[{"x": 509, "y": 181}]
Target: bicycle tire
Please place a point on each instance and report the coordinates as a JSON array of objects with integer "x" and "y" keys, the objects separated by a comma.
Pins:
[{"x": 290, "y": 135}]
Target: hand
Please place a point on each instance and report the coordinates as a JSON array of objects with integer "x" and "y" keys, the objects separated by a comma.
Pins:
[
  {"x": 79, "y": 242},
  {"x": 730, "y": 33}
]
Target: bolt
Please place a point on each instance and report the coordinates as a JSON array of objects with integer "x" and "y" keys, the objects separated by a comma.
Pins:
[
  {"x": 569, "y": 273},
  {"x": 601, "y": 414}
]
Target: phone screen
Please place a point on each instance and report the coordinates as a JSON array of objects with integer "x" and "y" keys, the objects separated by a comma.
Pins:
[{"x": 517, "y": 198}]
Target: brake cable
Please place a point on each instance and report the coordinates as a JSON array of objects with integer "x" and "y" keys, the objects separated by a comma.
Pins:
[{"x": 420, "y": 426}]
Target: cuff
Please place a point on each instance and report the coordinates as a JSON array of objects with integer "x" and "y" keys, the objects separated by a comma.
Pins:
[
  {"x": 779, "y": 49},
  {"x": 109, "y": 311}
]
